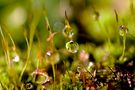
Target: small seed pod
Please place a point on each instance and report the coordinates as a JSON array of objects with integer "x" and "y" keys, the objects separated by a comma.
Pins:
[
  {"x": 72, "y": 46},
  {"x": 123, "y": 30}
]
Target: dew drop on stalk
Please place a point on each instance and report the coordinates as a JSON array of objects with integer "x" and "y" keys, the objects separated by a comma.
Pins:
[
  {"x": 123, "y": 30},
  {"x": 68, "y": 32},
  {"x": 52, "y": 57},
  {"x": 72, "y": 46},
  {"x": 15, "y": 57}
]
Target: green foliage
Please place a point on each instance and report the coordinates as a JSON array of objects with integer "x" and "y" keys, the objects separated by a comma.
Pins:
[{"x": 67, "y": 45}]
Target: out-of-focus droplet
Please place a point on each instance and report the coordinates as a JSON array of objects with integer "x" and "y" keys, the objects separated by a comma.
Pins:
[
  {"x": 17, "y": 17},
  {"x": 52, "y": 57},
  {"x": 41, "y": 76},
  {"x": 91, "y": 64},
  {"x": 15, "y": 57},
  {"x": 68, "y": 32},
  {"x": 72, "y": 46},
  {"x": 29, "y": 86},
  {"x": 123, "y": 30}
]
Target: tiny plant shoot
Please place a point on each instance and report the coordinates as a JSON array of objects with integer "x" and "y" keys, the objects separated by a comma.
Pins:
[
  {"x": 123, "y": 30},
  {"x": 71, "y": 46}
]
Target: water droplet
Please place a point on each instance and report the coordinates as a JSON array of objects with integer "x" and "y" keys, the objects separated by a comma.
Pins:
[
  {"x": 41, "y": 76},
  {"x": 29, "y": 86},
  {"x": 91, "y": 64},
  {"x": 72, "y": 46},
  {"x": 123, "y": 30},
  {"x": 15, "y": 57},
  {"x": 52, "y": 57},
  {"x": 68, "y": 32}
]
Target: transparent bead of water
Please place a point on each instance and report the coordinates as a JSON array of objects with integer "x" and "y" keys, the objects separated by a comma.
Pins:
[
  {"x": 123, "y": 30},
  {"x": 72, "y": 46},
  {"x": 52, "y": 57},
  {"x": 15, "y": 57},
  {"x": 68, "y": 32}
]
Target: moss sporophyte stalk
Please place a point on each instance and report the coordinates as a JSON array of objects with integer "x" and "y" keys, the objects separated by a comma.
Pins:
[{"x": 123, "y": 30}]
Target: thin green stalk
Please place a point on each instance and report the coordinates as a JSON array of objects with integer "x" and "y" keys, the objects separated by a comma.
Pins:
[
  {"x": 53, "y": 68},
  {"x": 61, "y": 82},
  {"x": 4, "y": 87},
  {"x": 32, "y": 32},
  {"x": 28, "y": 54},
  {"x": 14, "y": 47},
  {"x": 6, "y": 48},
  {"x": 124, "y": 48}
]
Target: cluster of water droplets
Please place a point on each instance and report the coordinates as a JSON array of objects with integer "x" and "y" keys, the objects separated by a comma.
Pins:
[{"x": 71, "y": 46}]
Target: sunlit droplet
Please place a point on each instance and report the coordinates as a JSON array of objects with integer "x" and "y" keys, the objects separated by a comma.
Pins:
[
  {"x": 15, "y": 57},
  {"x": 52, "y": 57},
  {"x": 91, "y": 64},
  {"x": 68, "y": 32},
  {"x": 72, "y": 46},
  {"x": 123, "y": 30}
]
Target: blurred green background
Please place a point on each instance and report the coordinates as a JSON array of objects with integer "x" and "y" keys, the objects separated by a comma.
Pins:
[{"x": 95, "y": 25}]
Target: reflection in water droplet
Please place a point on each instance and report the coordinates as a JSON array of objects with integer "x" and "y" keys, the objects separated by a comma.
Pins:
[{"x": 72, "y": 46}]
